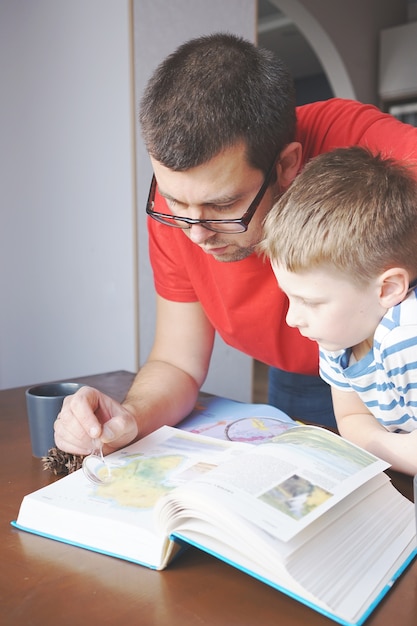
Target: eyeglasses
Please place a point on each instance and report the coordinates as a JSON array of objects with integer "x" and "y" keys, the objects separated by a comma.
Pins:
[{"x": 238, "y": 225}]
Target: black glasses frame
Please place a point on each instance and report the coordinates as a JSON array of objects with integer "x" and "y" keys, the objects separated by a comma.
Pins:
[{"x": 215, "y": 225}]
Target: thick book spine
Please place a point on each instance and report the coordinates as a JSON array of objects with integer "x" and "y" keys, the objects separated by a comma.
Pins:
[{"x": 359, "y": 621}]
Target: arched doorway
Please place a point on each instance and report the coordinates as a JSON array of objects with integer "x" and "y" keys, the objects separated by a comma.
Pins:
[{"x": 287, "y": 28}]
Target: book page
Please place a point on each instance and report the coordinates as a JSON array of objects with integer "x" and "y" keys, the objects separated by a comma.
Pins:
[
  {"x": 236, "y": 421},
  {"x": 117, "y": 516},
  {"x": 284, "y": 485},
  {"x": 346, "y": 566},
  {"x": 309, "y": 513}
]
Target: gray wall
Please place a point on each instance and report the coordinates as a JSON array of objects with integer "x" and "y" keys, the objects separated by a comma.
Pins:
[
  {"x": 72, "y": 218},
  {"x": 67, "y": 257}
]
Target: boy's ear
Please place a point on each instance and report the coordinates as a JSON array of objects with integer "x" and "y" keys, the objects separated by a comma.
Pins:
[
  {"x": 289, "y": 164},
  {"x": 394, "y": 285}
]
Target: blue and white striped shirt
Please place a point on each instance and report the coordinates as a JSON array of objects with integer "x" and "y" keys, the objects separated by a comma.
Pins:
[{"x": 386, "y": 378}]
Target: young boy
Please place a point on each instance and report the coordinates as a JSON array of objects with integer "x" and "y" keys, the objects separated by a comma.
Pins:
[{"x": 343, "y": 247}]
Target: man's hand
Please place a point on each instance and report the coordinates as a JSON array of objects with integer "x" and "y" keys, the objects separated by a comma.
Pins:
[{"x": 90, "y": 414}]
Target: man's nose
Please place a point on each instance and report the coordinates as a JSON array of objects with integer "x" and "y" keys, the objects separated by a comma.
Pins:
[{"x": 198, "y": 234}]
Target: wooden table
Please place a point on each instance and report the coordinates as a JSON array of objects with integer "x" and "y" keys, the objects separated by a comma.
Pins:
[{"x": 43, "y": 582}]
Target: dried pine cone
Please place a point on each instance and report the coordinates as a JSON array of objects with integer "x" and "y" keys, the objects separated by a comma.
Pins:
[{"x": 61, "y": 463}]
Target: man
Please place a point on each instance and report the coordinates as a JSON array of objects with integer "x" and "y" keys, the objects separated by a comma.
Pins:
[{"x": 219, "y": 122}]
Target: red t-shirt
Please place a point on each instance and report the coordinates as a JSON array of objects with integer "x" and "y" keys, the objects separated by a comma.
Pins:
[{"x": 242, "y": 299}]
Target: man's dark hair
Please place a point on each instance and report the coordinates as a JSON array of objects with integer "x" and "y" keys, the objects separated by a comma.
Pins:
[{"x": 212, "y": 93}]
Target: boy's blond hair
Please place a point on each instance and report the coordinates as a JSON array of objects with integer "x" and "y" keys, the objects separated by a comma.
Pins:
[{"x": 350, "y": 210}]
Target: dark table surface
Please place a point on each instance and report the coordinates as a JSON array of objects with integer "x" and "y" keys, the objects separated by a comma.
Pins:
[{"x": 43, "y": 582}]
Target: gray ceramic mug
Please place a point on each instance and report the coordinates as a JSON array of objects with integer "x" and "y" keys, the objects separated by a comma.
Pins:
[{"x": 43, "y": 403}]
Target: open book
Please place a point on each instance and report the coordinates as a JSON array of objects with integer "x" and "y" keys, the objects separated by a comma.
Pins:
[{"x": 301, "y": 510}]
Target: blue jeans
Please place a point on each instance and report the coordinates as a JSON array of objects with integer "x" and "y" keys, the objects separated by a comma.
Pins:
[{"x": 301, "y": 397}]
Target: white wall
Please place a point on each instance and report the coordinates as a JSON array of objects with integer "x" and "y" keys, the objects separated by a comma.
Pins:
[
  {"x": 68, "y": 277},
  {"x": 67, "y": 257},
  {"x": 159, "y": 27}
]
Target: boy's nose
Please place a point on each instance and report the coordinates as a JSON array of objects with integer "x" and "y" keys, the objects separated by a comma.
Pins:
[{"x": 293, "y": 317}]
